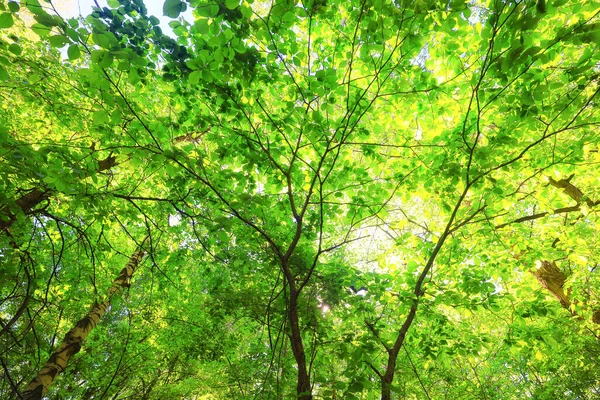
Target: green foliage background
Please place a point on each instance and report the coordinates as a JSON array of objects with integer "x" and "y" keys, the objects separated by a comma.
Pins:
[{"x": 343, "y": 199}]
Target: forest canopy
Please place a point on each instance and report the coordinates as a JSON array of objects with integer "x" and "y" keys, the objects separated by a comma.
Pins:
[{"x": 313, "y": 199}]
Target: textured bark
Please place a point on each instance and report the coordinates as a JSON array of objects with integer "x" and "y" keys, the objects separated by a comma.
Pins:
[
  {"x": 28, "y": 202},
  {"x": 540, "y": 215},
  {"x": 549, "y": 275},
  {"x": 73, "y": 340},
  {"x": 303, "y": 388},
  {"x": 553, "y": 279},
  {"x": 572, "y": 191},
  {"x": 191, "y": 137},
  {"x": 388, "y": 378}
]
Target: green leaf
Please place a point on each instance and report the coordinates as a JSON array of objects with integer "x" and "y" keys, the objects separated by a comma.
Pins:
[
  {"x": 6, "y": 20},
  {"x": 46, "y": 19},
  {"x": 174, "y": 24},
  {"x": 123, "y": 66},
  {"x": 102, "y": 40},
  {"x": 58, "y": 41},
  {"x": 13, "y": 6},
  {"x": 541, "y": 6},
  {"x": 232, "y": 4},
  {"x": 194, "y": 77},
  {"x": 223, "y": 237},
  {"x": 102, "y": 58},
  {"x": 15, "y": 49},
  {"x": 41, "y": 30},
  {"x": 209, "y": 10},
  {"x": 60, "y": 185},
  {"x": 116, "y": 118},
  {"x": 133, "y": 76},
  {"x": 100, "y": 117},
  {"x": 73, "y": 52},
  {"x": 356, "y": 387},
  {"x": 201, "y": 26},
  {"x": 172, "y": 8}
]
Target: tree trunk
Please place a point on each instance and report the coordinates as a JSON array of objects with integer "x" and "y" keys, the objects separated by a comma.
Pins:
[
  {"x": 73, "y": 340},
  {"x": 388, "y": 378},
  {"x": 35, "y": 197},
  {"x": 303, "y": 388},
  {"x": 26, "y": 203},
  {"x": 553, "y": 279}
]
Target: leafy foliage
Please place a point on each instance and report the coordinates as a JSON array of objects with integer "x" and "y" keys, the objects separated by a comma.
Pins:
[{"x": 353, "y": 200}]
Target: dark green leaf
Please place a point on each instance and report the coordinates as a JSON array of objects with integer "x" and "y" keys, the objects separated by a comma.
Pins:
[
  {"x": 172, "y": 8},
  {"x": 208, "y": 10},
  {"x": 13, "y": 6}
]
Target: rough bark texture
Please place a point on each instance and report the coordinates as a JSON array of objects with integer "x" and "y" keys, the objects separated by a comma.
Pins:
[
  {"x": 73, "y": 340},
  {"x": 553, "y": 279},
  {"x": 29, "y": 201},
  {"x": 303, "y": 388},
  {"x": 572, "y": 191},
  {"x": 26, "y": 203},
  {"x": 388, "y": 378},
  {"x": 549, "y": 275},
  {"x": 390, "y": 369}
]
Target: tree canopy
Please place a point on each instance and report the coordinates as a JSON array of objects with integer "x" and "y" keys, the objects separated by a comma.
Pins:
[{"x": 320, "y": 199}]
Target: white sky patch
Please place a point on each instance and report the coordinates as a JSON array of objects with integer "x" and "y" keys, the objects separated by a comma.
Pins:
[
  {"x": 418, "y": 133},
  {"x": 174, "y": 219},
  {"x": 420, "y": 59},
  {"x": 498, "y": 288},
  {"x": 260, "y": 188}
]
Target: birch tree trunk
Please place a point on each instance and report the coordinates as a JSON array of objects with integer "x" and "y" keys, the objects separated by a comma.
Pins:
[{"x": 73, "y": 340}]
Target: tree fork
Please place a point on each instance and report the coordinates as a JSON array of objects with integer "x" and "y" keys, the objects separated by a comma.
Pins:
[{"x": 73, "y": 340}]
